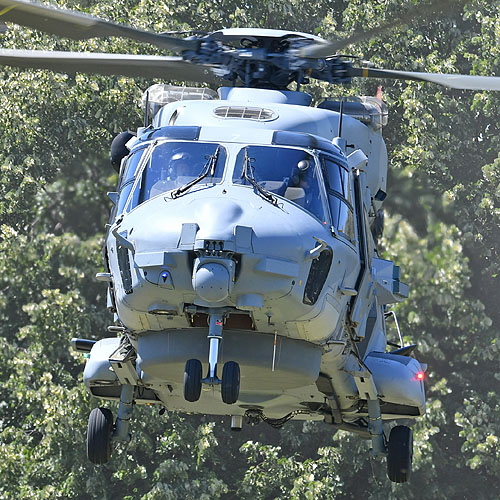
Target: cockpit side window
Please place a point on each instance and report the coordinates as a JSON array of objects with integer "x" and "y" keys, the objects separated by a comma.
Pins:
[
  {"x": 173, "y": 165},
  {"x": 127, "y": 178},
  {"x": 290, "y": 173},
  {"x": 339, "y": 196}
]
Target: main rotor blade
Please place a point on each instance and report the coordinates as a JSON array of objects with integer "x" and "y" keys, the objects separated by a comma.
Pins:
[
  {"x": 466, "y": 82},
  {"x": 79, "y": 26},
  {"x": 438, "y": 8},
  {"x": 169, "y": 68}
]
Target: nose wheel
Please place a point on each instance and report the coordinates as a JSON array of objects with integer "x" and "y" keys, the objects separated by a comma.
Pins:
[
  {"x": 230, "y": 383},
  {"x": 230, "y": 387},
  {"x": 192, "y": 380}
]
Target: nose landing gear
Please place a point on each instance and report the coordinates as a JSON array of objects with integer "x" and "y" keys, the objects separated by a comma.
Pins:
[
  {"x": 192, "y": 380},
  {"x": 215, "y": 339},
  {"x": 230, "y": 388},
  {"x": 230, "y": 383}
]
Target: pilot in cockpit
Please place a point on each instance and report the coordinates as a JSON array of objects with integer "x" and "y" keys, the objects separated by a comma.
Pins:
[
  {"x": 173, "y": 170},
  {"x": 299, "y": 184},
  {"x": 180, "y": 163}
]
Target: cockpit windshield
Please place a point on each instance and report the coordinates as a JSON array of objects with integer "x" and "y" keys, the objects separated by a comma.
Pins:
[
  {"x": 287, "y": 172},
  {"x": 174, "y": 165}
]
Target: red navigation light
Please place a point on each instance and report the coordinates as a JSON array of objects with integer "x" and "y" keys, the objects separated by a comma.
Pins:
[{"x": 420, "y": 376}]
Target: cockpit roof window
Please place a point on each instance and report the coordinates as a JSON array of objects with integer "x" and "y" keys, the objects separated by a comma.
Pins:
[{"x": 173, "y": 165}]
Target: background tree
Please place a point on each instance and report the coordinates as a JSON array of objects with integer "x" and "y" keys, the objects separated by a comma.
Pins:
[{"x": 442, "y": 227}]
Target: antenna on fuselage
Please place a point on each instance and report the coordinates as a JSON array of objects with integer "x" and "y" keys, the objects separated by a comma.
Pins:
[
  {"x": 338, "y": 141},
  {"x": 341, "y": 111},
  {"x": 146, "y": 110}
]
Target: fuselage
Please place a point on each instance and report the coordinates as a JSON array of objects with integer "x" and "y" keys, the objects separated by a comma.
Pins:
[
  {"x": 254, "y": 214},
  {"x": 270, "y": 243}
]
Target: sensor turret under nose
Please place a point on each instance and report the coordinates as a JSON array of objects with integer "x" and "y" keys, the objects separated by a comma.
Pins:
[{"x": 212, "y": 280}]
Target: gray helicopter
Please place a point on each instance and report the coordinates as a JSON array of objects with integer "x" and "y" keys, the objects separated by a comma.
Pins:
[{"x": 241, "y": 251}]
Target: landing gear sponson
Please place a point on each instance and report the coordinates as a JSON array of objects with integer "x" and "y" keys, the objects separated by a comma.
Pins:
[{"x": 103, "y": 432}]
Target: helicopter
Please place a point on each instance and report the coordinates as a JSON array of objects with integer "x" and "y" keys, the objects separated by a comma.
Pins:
[{"x": 241, "y": 256}]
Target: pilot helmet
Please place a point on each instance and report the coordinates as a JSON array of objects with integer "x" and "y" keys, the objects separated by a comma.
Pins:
[
  {"x": 303, "y": 165},
  {"x": 299, "y": 172},
  {"x": 179, "y": 161},
  {"x": 174, "y": 165}
]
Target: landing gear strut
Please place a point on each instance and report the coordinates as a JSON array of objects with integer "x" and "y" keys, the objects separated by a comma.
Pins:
[
  {"x": 101, "y": 432},
  {"x": 399, "y": 448},
  {"x": 230, "y": 383},
  {"x": 215, "y": 339}
]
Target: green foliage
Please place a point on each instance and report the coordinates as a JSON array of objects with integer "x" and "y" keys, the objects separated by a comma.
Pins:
[
  {"x": 272, "y": 475},
  {"x": 480, "y": 432},
  {"x": 442, "y": 225}
]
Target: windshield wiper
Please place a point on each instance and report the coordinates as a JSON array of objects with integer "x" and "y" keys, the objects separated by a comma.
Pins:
[
  {"x": 247, "y": 173},
  {"x": 208, "y": 169}
]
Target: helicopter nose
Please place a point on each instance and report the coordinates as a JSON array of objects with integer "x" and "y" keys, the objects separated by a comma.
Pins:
[{"x": 216, "y": 220}]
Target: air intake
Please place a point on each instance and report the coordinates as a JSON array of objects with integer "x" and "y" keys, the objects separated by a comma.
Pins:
[
  {"x": 318, "y": 273},
  {"x": 124, "y": 265},
  {"x": 246, "y": 113}
]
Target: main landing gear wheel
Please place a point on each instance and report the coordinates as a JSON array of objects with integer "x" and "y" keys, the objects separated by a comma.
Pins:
[
  {"x": 192, "y": 380},
  {"x": 400, "y": 454},
  {"x": 99, "y": 433},
  {"x": 230, "y": 387}
]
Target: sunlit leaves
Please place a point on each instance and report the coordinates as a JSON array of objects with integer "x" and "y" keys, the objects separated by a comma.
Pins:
[{"x": 480, "y": 429}]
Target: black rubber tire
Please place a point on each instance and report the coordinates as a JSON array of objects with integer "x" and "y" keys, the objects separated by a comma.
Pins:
[
  {"x": 230, "y": 387},
  {"x": 99, "y": 433},
  {"x": 192, "y": 380},
  {"x": 377, "y": 226},
  {"x": 400, "y": 454}
]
